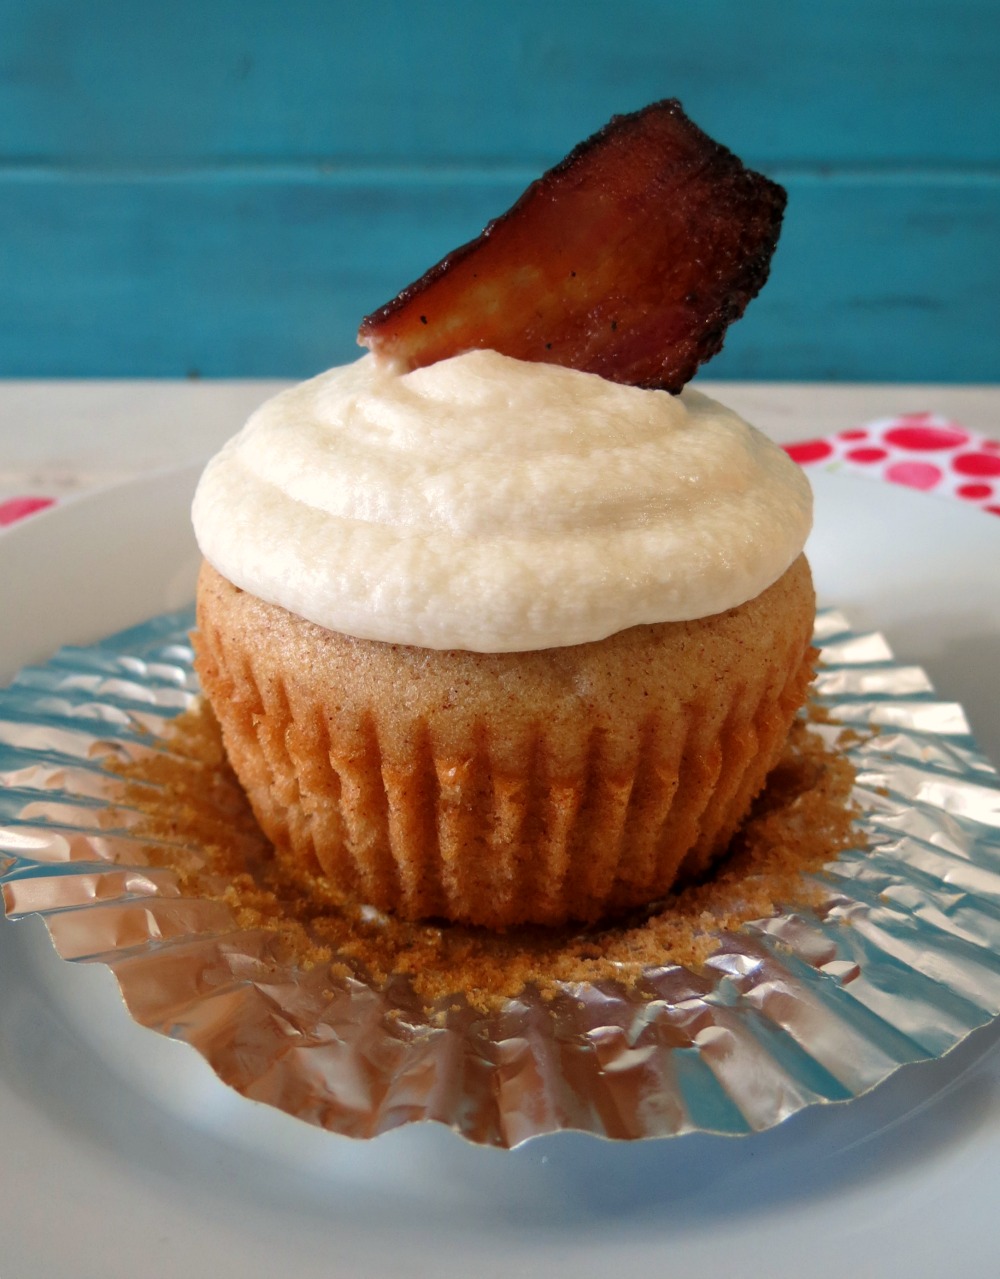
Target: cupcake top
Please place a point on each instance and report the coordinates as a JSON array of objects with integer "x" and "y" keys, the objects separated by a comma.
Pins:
[{"x": 496, "y": 505}]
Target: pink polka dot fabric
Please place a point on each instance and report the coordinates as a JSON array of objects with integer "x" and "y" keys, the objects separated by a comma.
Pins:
[
  {"x": 13, "y": 509},
  {"x": 919, "y": 450}
]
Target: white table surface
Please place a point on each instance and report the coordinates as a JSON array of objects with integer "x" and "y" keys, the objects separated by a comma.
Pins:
[{"x": 60, "y": 438}]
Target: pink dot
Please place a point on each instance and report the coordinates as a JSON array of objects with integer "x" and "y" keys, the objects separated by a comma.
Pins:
[
  {"x": 975, "y": 492},
  {"x": 868, "y": 455},
  {"x": 976, "y": 464},
  {"x": 16, "y": 508},
  {"x": 854, "y": 435},
  {"x": 809, "y": 451},
  {"x": 925, "y": 439},
  {"x": 915, "y": 475},
  {"x": 992, "y": 445}
]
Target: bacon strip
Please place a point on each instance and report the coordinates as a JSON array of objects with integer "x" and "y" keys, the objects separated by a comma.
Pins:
[{"x": 629, "y": 259}]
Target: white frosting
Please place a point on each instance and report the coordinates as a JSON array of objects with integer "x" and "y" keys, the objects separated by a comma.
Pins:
[{"x": 495, "y": 505}]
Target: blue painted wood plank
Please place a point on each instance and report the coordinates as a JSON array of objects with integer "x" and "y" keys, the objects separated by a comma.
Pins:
[
  {"x": 878, "y": 280},
  {"x": 893, "y": 82},
  {"x": 875, "y": 278},
  {"x": 227, "y": 187}
]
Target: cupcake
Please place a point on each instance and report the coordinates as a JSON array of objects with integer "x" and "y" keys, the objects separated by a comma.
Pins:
[
  {"x": 500, "y": 623},
  {"x": 501, "y": 642}
]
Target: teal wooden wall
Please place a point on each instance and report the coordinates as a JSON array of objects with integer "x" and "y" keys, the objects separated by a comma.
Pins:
[{"x": 224, "y": 187}]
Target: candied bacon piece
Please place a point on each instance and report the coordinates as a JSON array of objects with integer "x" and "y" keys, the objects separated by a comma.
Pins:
[{"x": 629, "y": 259}]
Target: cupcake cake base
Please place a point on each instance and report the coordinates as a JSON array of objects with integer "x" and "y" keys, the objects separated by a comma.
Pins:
[{"x": 502, "y": 789}]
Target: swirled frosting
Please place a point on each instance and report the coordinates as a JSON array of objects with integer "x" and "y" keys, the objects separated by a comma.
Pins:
[{"x": 495, "y": 505}]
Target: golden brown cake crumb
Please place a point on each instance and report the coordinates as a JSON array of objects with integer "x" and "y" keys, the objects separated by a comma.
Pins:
[
  {"x": 504, "y": 789},
  {"x": 191, "y": 798}
]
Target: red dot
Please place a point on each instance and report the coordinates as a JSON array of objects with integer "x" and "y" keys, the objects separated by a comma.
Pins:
[
  {"x": 868, "y": 455},
  {"x": 16, "y": 508},
  {"x": 992, "y": 445},
  {"x": 976, "y": 464},
  {"x": 854, "y": 435},
  {"x": 975, "y": 492},
  {"x": 993, "y": 510},
  {"x": 809, "y": 451},
  {"x": 915, "y": 475},
  {"x": 925, "y": 439}
]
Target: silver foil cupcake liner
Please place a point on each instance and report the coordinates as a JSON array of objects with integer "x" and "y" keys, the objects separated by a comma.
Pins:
[{"x": 897, "y": 960}]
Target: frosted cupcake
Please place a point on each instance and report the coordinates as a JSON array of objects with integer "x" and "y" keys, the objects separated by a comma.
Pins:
[
  {"x": 498, "y": 629},
  {"x": 501, "y": 642}
]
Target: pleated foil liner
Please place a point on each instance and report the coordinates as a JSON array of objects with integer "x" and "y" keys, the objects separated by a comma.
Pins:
[{"x": 898, "y": 960}]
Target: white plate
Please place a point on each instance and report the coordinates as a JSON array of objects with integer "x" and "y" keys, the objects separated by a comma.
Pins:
[{"x": 120, "y": 1154}]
